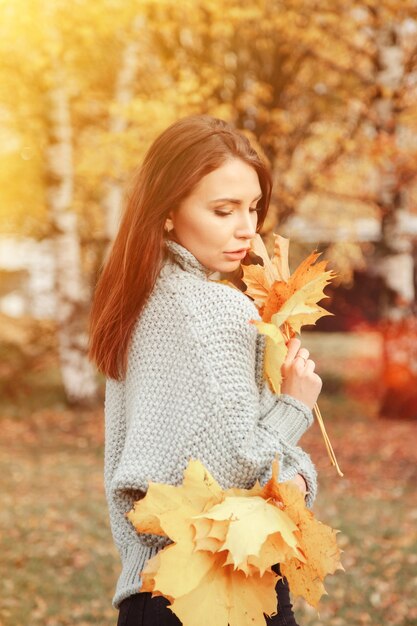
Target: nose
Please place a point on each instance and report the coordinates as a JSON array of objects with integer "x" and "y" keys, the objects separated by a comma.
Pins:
[{"x": 246, "y": 228}]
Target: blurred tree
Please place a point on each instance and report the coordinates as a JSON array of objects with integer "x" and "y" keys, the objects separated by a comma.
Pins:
[
  {"x": 50, "y": 58},
  {"x": 383, "y": 159},
  {"x": 71, "y": 293},
  {"x": 70, "y": 109},
  {"x": 293, "y": 76},
  {"x": 329, "y": 94},
  {"x": 87, "y": 85},
  {"x": 394, "y": 109}
]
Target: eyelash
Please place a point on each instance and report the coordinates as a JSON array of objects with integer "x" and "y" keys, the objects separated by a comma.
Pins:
[{"x": 257, "y": 210}]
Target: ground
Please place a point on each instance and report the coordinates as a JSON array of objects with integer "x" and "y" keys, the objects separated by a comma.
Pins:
[{"x": 59, "y": 565}]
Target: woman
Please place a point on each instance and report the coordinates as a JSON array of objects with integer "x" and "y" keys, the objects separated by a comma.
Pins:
[{"x": 184, "y": 366}]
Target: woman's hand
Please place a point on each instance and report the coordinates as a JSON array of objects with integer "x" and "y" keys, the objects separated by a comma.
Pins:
[
  {"x": 299, "y": 378},
  {"x": 299, "y": 482}
]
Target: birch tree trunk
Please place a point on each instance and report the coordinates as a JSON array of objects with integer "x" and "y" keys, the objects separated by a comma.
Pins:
[
  {"x": 72, "y": 297},
  {"x": 396, "y": 250}
]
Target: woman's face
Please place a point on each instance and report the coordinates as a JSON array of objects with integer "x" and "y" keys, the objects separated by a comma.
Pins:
[{"x": 220, "y": 216}]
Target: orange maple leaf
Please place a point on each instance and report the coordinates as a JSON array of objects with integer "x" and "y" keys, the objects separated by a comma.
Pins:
[
  {"x": 286, "y": 302},
  {"x": 317, "y": 542},
  {"x": 275, "y": 290}
]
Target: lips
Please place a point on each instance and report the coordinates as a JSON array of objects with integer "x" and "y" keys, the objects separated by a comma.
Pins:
[
  {"x": 237, "y": 256},
  {"x": 235, "y": 251}
]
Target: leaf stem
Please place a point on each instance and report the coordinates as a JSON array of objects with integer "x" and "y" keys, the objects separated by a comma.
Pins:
[
  {"x": 329, "y": 448},
  {"x": 286, "y": 331}
]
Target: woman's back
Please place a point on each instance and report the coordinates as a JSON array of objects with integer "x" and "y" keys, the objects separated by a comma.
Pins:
[{"x": 194, "y": 389}]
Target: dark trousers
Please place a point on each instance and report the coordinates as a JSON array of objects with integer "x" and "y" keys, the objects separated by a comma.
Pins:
[{"x": 140, "y": 609}]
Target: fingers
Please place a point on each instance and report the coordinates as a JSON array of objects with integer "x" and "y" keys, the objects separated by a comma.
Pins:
[
  {"x": 318, "y": 382},
  {"x": 303, "y": 355},
  {"x": 308, "y": 372},
  {"x": 310, "y": 366},
  {"x": 300, "y": 482},
  {"x": 303, "y": 367},
  {"x": 293, "y": 347},
  {"x": 296, "y": 356},
  {"x": 299, "y": 378}
]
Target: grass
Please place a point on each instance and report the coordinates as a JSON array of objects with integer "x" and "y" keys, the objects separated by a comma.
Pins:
[
  {"x": 375, "y": 508},
  {"x": 59, "y": 565}
]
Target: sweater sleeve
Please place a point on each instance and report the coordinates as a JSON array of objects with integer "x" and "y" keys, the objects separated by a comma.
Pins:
[
  {"x": 270, "y": 402},
  {"x": 258, "y": 424},
  {"x": 122, "y": 500}
]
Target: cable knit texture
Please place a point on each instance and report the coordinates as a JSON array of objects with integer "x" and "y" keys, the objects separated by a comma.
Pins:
[{"x": 194, "y": 388}]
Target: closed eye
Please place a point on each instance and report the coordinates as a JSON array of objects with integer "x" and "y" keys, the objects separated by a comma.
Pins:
[
  {"x": 252, "y": 209},
  {"x": 222, "y": 213}
]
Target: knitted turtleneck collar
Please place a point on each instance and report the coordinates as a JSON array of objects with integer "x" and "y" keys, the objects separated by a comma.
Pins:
[{"x": 187, "y": 260}]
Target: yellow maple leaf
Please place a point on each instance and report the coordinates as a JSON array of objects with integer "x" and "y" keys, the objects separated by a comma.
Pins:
[
  {"x": 292, "y": 298},
  {"x": 241, "y": 515},
  {"x": 275, "y": 353},
  {"x": 218, "y": 570},
  {"x": 280, "y": 257},
  {"x": 317, "y": 542},
  {"x": 226, "y": 599},
  {"x": 286, "y": 302}
]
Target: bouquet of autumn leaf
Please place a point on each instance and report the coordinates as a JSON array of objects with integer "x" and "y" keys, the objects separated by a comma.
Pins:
[
  {"x": 218, "y": 570},
  {"x": 286, "y": 302}
]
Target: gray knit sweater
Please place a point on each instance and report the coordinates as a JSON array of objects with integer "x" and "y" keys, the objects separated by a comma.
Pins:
[{"x": 194, "y": 388}]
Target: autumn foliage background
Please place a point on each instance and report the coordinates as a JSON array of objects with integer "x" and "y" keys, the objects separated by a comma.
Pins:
[{"x": 328, "y": 92}]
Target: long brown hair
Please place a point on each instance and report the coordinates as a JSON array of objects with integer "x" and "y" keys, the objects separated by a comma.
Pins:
[{"x": 174, "y": 164}]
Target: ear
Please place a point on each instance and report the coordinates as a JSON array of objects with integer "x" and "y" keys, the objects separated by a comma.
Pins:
[{"x": 169, "y": 225}]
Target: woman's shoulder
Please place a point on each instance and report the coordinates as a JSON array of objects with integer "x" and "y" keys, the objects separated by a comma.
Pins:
[
  {"x": 193, "y": 320},
  {"x": 209, "y": 296},
  {"x": 224, "y": 293}
]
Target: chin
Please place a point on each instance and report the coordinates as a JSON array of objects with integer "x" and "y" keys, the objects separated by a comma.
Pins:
[{"x": 229, "y": 267}]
